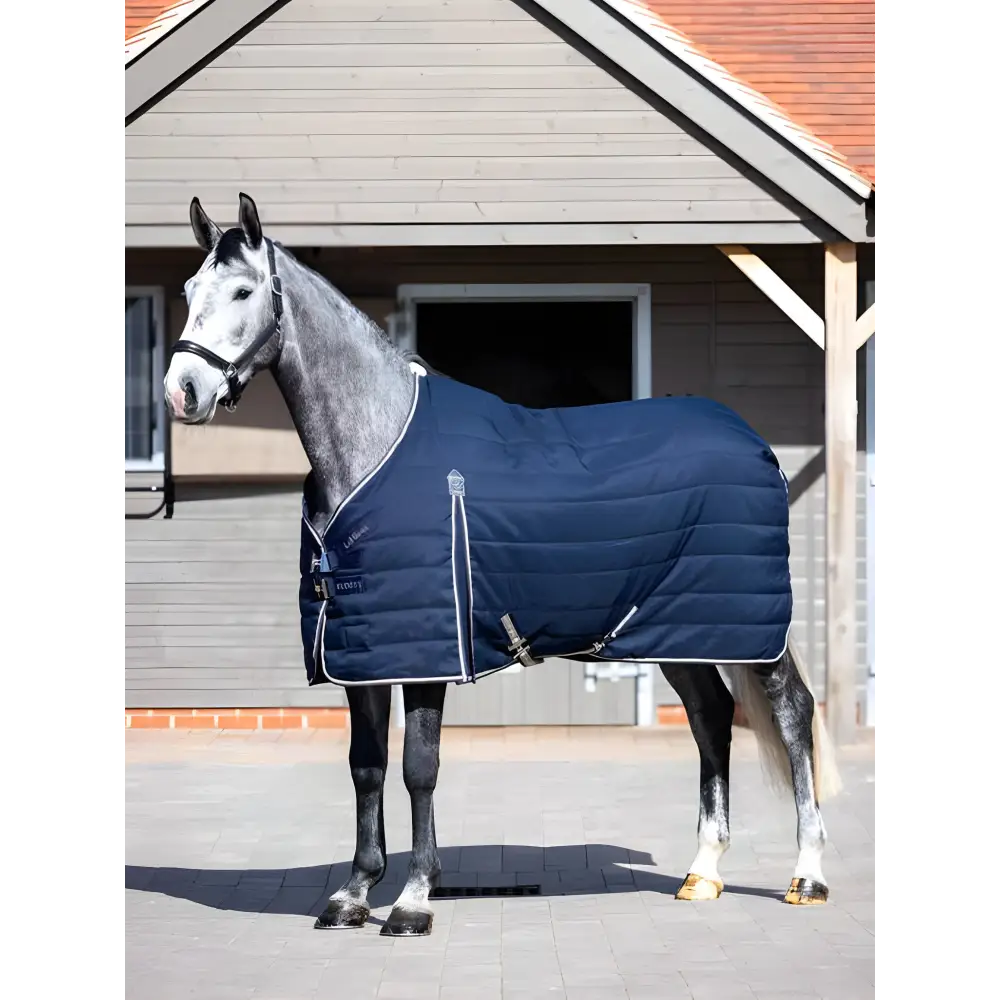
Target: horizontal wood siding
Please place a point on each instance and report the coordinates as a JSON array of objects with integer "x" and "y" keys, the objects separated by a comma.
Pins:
[
  {"x": 552, "y": 694},
  {"x": 382, "y": 112},
  {"x": 714, "y": 334},
  {"x": 211, "y": 602}
]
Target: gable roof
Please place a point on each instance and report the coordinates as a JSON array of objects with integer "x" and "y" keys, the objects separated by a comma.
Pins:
[
  {"x": 633, "y": 35},
  {"x": 805, "y": 66}
]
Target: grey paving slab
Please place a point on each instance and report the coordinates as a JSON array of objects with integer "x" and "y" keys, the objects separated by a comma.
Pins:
[{"x": 232, "y": 847}]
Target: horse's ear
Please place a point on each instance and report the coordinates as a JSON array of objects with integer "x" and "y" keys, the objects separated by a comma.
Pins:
[
  {"x": 206, "y": 232},
  {"x": 250, "y": 221}
]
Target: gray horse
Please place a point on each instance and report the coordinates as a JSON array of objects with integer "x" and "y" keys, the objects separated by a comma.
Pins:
[{"x": 349, "y": 390}]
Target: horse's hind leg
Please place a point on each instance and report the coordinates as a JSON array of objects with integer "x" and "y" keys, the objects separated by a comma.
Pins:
[
  {"x": 709, "y": 707},
  {"x": 411, "y": 915},
  {"x": 792, "y": 708},
  {"x": 369, "y": 756}
]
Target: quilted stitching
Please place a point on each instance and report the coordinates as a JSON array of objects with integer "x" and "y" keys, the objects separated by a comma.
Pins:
[{"x": 675, "y": 506}]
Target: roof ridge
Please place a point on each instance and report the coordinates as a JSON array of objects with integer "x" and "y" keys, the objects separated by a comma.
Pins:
[{"x": 767, "y": 111}]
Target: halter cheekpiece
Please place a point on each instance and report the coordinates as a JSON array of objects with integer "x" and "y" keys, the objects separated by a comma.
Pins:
[{"x": 231, "y": 369}]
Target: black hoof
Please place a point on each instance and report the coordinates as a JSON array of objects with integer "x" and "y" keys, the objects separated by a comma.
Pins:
[
  {"x": 342, "y": 913},
  {"x": 407, "y": 923}
]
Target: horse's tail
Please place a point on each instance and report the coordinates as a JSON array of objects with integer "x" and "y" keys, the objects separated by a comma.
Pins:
[{"x": 749, "y": 692}]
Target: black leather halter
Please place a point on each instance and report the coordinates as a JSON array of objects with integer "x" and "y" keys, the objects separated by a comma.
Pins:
[{"x": 231, "y": 369}]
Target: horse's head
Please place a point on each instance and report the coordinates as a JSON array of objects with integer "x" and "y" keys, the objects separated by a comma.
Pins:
[{"x": 234, "y": 317}]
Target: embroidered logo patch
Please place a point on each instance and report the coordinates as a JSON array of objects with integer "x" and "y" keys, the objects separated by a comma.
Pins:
[
  {"x": 349, "y": 585},
  {"x": 355, "y": 536},
  {"x": 456, "y": 483}
]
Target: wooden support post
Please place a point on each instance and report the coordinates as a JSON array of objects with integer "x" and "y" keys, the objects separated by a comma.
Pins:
[{"x": 841, "y": 491}]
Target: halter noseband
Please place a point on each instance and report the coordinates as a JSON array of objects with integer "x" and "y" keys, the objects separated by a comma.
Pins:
[{"x": 231, "y": 369}]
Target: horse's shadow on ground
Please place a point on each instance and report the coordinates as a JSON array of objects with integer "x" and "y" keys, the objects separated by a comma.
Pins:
[{"x": 578, "y": 869}]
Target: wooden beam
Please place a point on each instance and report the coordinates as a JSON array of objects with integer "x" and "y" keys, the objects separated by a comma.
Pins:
[
  {"x": 864, "y": 327},
  {"x": 841, "y": 491},
  {"x": 789, "y": 302},
  {"x": 293, "y": 234}
]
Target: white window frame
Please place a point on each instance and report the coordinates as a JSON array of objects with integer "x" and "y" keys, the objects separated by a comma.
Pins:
[
  {"x": 157, "y": 462},
  {"x": 409, "y": 296},
  {"x": 407, "y": 337}
]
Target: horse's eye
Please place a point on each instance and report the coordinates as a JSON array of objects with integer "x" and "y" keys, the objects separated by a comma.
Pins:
[{"x": 242, "y": 293}]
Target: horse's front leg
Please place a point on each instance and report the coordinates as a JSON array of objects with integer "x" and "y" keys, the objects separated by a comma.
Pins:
[
  {"x": 369, "y": 756},
  {"x": 424, "y": 703}
]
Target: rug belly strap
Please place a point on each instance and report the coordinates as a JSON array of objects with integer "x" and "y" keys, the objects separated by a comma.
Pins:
[{"x": 518, "y": 646}]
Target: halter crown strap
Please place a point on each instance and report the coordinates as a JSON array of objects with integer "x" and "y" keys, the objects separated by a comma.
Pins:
[{"x": 231, "y": 369}]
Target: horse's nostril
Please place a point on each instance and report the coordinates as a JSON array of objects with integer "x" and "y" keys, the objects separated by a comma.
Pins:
[{"x": 190, "y": 400}]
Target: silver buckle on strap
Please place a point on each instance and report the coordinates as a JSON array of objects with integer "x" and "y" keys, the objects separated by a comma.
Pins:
[
  {"x": 320, "y": 583},
  {"x": 518, "y": 646}
]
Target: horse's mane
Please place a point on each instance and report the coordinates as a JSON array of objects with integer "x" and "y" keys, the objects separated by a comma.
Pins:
[
  {"x": 309, "y": 489},
  {"x": 407, "y": 355},
  {"x": 377, "y": 327}
]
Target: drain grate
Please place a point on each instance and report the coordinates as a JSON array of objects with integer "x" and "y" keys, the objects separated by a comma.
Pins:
[{"x": 468, "y": 891}]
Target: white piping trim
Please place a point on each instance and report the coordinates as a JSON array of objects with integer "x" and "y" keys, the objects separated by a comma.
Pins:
[
  {"x": 613, "y": 634},
  {"x": 322, "y": 648},
  {"x": 318, "y": 637},
  {"x": 454, "y": 589},
  {"x": 312, "y": 530},
  {"x": 761, "y": 107},
  {"x": 570, "y": 656},
  {"x": 468, "y": 570},
  {"x": 559, "y": 656},
  {"x": 456, "y": 678},
  {"x": 343, "y": 503},
  {"x": 371, "y": 475},
  {"x": 698, "y": 659}
]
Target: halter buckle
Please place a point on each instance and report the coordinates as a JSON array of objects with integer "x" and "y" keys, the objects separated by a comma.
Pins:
[
  {"x": 232, "y": 376},
  {"x": 276, "y": 285}
]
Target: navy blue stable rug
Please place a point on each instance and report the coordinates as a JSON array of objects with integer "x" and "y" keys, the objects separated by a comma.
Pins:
[{"x": 650, "y": 530}]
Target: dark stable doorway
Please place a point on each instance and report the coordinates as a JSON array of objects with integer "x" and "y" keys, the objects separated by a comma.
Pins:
[{"x": 537, "y": 354}]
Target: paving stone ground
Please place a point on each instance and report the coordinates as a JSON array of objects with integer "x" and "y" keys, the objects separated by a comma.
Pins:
[{"x": 234, "y": 841}]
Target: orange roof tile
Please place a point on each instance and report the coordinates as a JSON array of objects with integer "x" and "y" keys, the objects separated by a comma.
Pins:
[
  {"x": 138, "y": 13},
  {"x": 165, "y": 17},
  {"x": 814, "y": 58}
]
